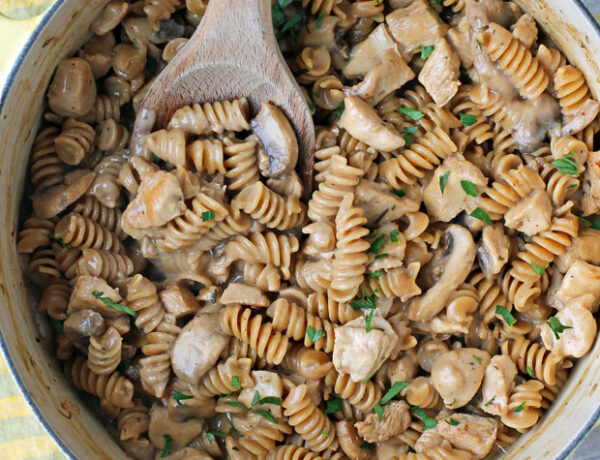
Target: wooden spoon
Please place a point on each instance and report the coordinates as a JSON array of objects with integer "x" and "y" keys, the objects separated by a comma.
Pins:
[{"x": 233, "y": 53}]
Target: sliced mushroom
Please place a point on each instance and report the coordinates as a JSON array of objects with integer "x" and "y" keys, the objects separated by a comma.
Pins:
[
  {"x": 240, "y": 293},
  {"x": 198, "y": 347},
  {"x": 83, "y": 296},
  {"x": 110, "y": 17},
  {"x": 82, "y": 324},
  {"x": 460, "y": 249},
  {"x": 473, "y": 433},
  {"x": 51, "y": 201},
  {"x": 447, "y": 204},
  {"x": 403, "y": 369},
  {"x": 362, "y": 122},
  {"x": 369, "y": 53},
  {"x": 493, "y": 250},
  {"x": 181, "y": 433},
  {"x": 375, "y": 345},
  {"x": 179, "y": 300},
  {"x": 276, "y": 135},
  {"x": 578, "y": 334},
  {"x": 500, "y": 374},
  {"x": 457, "y": 375},
  {"x": 73, "y": 89}
]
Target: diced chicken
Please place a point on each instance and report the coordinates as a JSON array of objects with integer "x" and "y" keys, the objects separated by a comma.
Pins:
[
  {"x": 73, "y": 89},
  {"x": 380, "y": 204},
  {"x": 416, "y": 25},
  {"x": 578, "y": 334},
  {"x": 473, "y": 433},
  {"x": 198, "y": 347},
  {"x": 586, "y": 113},
  {"x": 429, "y": 439},
  {"x": 457, "y": 375},
  {"x": 277, "y": 137},
  {"x": 459, "y": 38},
  {"x": 525, "y": 30},
  {"x": 581, "y": 280},
  {"x": 244, "y": 294},
  {"x": 497, "y": 383},
  {"x": 590, "y": 201},
  {"x": 459, "y": 255},
  {"x": 440, "y": 75},
  {"x": 585, "y": 246},
  {"x": 362, "y": 122},
  {"x": 395, "y": 420},
  {"x": 531, "y": 215},
  {"x": 181, "y": 433},
  {"x": 84, "y": 323},
  {"x": 375, "y": 345},
  {"x": 83, "y": 297},
  {"x": 369, "y": 53},
  {"x": 190, "y": 183},
  {"x": 394, "y": 249},
  {"x": 493, "y": 250},
  {"x": 266, "y": 384},
  {"x": 179, "y": 300},
  {"x": 447, "y": 205},
  {"x": 159, "y": 200}
]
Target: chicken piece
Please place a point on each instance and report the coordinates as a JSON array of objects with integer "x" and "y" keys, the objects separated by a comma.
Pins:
[
  {"x": 531, "y": 215},
  {"x": 445, "y": 206},
  {"x": 395, "y": 420},
  {"x": 525, "y": 30},
  {"x": 83, "y": 296},
  {"x": 590, "y": 201},
  {"x": 578, "y": 334},
  {"x": 493, "y": 250},
  {"x": 198, "y": 347},
  {"x": 73, "y": 89},
  {"x": 586, "y": 113},
  {"x": 362, "y": 122},
  {"x": 393, "y": 248},
  {"x": 181, "y": 433},
  {"x": 585, "y": 246},
  {"x": 473, "y": 433},
  {"x": 179, "y": 300},
  {"x": 82, "y": 324},
  {"x": 457, "y": 375},
  {"x": 581, "y": 280},
  {"x": 499, "y": 376},
  {"x": 375, "y": 346},
  {"x": 440, "y": 75},
  {"x": 190, "y": 183},
  {"x": 369, "y": 53},
  {"x": 416, "y": 25},
  {"x": 159, "y": 200},
  {"x": 459, "y": 38},
  {"x": 267, "y": 384},
  {"x": 244, "y": 294},
  {"x": 380, "y": 204}
]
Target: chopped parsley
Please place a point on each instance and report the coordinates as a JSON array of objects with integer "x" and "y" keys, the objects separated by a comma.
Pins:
[
  {"x": 368, "y": 320},
  {"x": 168, "y": 443},
  {"x": 235, "y": 382},
  {"x": 270, "y": 400},
  {"x": 566, "y": 165},
  {"x": 557, "y": 327},
  {"x": 520, "y": 407},
  {"x": 256, "y": 399},
  {"x": 399, "y": 193},
  {"x": 210, "y": 435},
  {"x": 237, "y": 404},
  {"x": 480, "y": 214},
  {"x": 379, "y": 411},
  {"x": 59, "y": 240},
  {"x": 426, "y": 52},
  {"x": 394, "y": 236},
  {"x": 584, "y": 221},
  {"x": 367, "y": 445},
  {"x": 477, "y": 358},
  {"x": 313, "y": 335},
  {"x": 319, "y": 21},
  {"x": 490, "y": 401},
  {"x": 311, "y": 105},
  {"x": 453, "y": 402},
  {"x": 467, "y": 119},
  {"x": 396, "y": 388},
  {"x": 325, "y": 432},
  {"x": 537, "y": 269},
  {"x": 291, "y": 22},
  {"x": 408, "y": 139},
  {"x": 530, "y": 371},
  {"x": 57, "y": 325},
  {"x": 265, "y": 414},
  {"x": 277, "y": 14},
  {"x": 410, "y": 129},
  {"x": 506, "y": 315},
  {"x": 179, "y": 397},
  {"x": 412, "y": 113},
  {"x": 451, "y": 421},
  {"x": 339, "y": 109},
  {"x": 428, "y": 421},
  {"x": 333, "y": 405},
  {"x": 596, "y": 224},
  {"x": 381, "y": 256},
  {"x": 468, "y": 187},
  {"x": 443, "y": 181},
  {"x": 285, "y": 3},
  {"x": 114, "y": 305},
  {"x": 208, "y": 215},
  {"x": 157, "y": 159},
  {"x": 571, "y": 187},
  {"x": 375, "y": 274},
  {"x": 377, "y": 245},
  {"x": 299, "y": 72}
]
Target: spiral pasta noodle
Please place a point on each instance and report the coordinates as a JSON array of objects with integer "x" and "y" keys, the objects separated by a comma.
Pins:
[
  {"x": 214, "y": 117},
  {"x": 207, "y": 155},
  {"x": 292, "y": 452},
  {"x": 241, "y": 164},
  {"x": 82, "y": 232},
  {"x": 74, "y": 142},
  {"x": 142, "y": 297},
  {"x": 35, "y": 234},
  {"x": 528, "y": 397},
  {"x": 133, "y": 422},
  {"x": 571, "y": 89},
  {"x": 104, "y": 264},
  {"x": 104, "y": 352},
  {"x": 104, "y": 108},
  {"x": 46, "y": 167},
  {"x": 219, "y": 380},
  {"x": 323, "y": 305},
  {"x": 266, "y": 277},
  {"x": 530, "y": 355},
  {"x": 159, "y": 10},
  {"x": 362, "y": 395},
  {"x": 55, "y": 299},
  {"x": 109, "y": 218}
]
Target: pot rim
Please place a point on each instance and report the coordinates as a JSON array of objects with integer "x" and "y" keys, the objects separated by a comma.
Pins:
[{"x": 3, "y": 347}]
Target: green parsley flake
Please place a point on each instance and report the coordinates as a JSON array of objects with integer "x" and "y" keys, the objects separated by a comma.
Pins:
[
  {"x": 366, "y": 302},
  {"x": 410, "y": 129},
  {"x": 443, "y": 180},
  {"x": 506, "y": 315},
  {"x": 530, "y": 371},
  {"x": 557, "y": 327},
  {"x": 210, "y": 435},
  {"x": 368, "y": 320},
  {"x": 114, "y": 305},
  {"x": 237, "y": 404},
  {"x": 256, "y": 399},
  {"x": 490, "y": 401},
  {"x": 381, "y": 256},
  {"x": 428, "y": 421},
  {"x": 311, "y": 105},
  {"x": 375, "y": 274},
  {"x": 596, "y": 224},
  {"x": 584, "y": 221},
  {"x": 451, "y": 421},
  {"x": 313, "y": 335},
  {"x": 168, "y": 443},
  {"x": 396, "y": 388},
  {"x": 394, "y": 236},
  {"x": 412, "y": 113},
  {"x": 377, "y": 245},
  {"x": 399, "y": 193},
  {"x": 299, "y": 72},
  {"x": 520, "y": 407},
  {"x": 157, "y": 159},
  {"x": 379, "y": 411},
  {"x": 235, "y": 382},
  {"x": 265, "y": 414},
  {"x": 408, "y": 139},
  {"x": 59, "y": 240},
  {"x": 468, "y": 187},
  {"x": 57, "y": 325},
  {"x": 453, "y": 402},
  {"x": 480, "y": 214},
  {"x": 270, "y": 400},
  {"x": 277, "y": 14},
  {"x": 333, "y": 405},
  {"x": 208, "y": 215},
  {"x": 467, "y": 119},
  {"x": 325, "y": 432},
  {"x": 367, "y": 445},
  {"x": 537, "y": 269},
  {"x": 477, "y": 358},
  {"x": 179, "y": 397},
  {"x": 339, "y": 109},
  {"x": 319, "y": 21},
  {"x": 285, "y": 3},
  {"x": 566, "y": 165},
  {"x": 291, "y": 22},
  {"x": 426, "y": 52}
]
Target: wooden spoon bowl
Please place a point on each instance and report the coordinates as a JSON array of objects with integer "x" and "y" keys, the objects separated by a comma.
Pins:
[{"x": 233, "y": 53}]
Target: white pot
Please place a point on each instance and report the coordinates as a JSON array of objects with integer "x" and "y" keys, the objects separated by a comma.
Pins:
[{"x": 63, "y": 29}]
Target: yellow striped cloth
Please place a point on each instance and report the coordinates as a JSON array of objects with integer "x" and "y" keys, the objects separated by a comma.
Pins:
[{"x": 21, "y": 434}]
